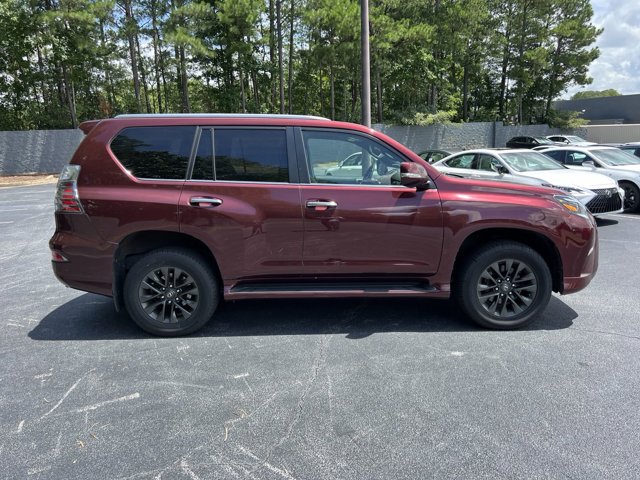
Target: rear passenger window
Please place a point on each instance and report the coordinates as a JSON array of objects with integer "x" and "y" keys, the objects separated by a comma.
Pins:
[
  {"x": 154, "y": 152},
  {"x": 251, "y": 155}
]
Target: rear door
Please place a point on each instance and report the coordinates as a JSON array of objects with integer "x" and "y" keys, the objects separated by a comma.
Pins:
[
  {"x": 369, "y": 224},
  {"x": 242, "y": 199}
]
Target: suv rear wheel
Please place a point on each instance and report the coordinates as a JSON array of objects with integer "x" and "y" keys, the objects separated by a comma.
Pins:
[
  {"x": 170, "y": 292},
  {"x": 503, "y": 285}
]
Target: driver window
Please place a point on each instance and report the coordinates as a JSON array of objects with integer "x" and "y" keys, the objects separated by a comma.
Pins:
[
  {"x": 462, "y": 161},
  {"x": 339, "y": 157},
  {"x": 485, "y": 162},
  {"x": 576, "y": 158}
]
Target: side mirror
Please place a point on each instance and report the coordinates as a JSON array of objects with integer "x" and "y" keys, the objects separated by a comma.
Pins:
[
  {"x": 415, "y": 176},
  {"x": 589, "y": 163},
  {"x": 501, "y": 169}
]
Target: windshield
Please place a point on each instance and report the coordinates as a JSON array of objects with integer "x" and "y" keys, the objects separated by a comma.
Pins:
[
  {"x": 615, "y": 157},
  {"x": 574, "y": 138},
  {"x": 530, "y": 161},
  {"x": 543, "y": 140}
]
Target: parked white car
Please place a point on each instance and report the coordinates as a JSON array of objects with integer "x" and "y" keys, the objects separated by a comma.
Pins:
[
  {"x": 599, "y": 193},
  {"x": 571, "y": 140},
  {"x": 350, "y": 167},
  {"x": 617, "y": 164}
]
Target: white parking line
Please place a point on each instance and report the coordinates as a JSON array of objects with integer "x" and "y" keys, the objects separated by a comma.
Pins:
[
  {"x": 633, "y": 217},
  {"x": 619, "y": 241}
]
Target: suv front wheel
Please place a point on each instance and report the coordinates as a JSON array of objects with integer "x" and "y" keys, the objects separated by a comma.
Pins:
[
  {"x": 170, "y": 292},
  {"x": 503, "y": 285}
]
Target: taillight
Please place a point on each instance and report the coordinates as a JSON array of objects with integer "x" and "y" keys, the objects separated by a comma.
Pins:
[{"x": 67, "y": 199}]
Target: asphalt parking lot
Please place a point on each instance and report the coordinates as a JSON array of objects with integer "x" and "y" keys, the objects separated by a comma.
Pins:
[{"x": 314, "y": 389}]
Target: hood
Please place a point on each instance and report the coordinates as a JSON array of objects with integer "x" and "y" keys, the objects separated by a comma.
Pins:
[
  {"x": 572, "y": 178},
  {"x": 629, "y": 168}
]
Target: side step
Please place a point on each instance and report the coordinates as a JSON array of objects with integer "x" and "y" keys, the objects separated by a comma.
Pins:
[{"x": 330, "y": 290}]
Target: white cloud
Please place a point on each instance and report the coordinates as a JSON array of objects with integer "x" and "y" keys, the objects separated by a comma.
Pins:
[{"x": 619, "y": 63}]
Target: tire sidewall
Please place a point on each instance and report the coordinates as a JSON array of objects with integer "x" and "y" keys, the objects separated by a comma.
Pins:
[
  {"x": 470, "y": 302},
  {"x": 636, "y": 191},
  {"x": 202, "y": 276}
]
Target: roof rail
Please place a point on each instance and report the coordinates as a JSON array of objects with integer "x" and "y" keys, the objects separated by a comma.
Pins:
[{"x": 220, "y": 115}]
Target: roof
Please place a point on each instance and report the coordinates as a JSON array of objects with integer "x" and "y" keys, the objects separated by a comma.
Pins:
[
  {"x": 221, "y": 115},
  {"x": 580, "y": 147}
]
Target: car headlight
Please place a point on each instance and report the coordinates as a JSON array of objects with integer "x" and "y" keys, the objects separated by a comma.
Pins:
[
  {"x": 564, "y": 189},
  {"x": 572, "y": 204}
]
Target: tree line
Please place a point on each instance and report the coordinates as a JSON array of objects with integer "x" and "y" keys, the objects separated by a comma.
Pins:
[{"x": 65, "y": 61}]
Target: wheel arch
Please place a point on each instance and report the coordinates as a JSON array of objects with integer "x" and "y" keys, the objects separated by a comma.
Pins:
[
  {"x": 632, "y": 183},
  {"x": 136, "y": 244},
  {"x": 537, "y": 241}
]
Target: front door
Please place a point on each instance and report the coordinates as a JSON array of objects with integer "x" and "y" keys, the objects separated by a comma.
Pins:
[{"x": 366, "y": 224}]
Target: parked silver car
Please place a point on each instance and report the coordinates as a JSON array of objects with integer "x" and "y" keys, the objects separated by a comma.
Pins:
[
  {"x": 610, "y": 161},
  {"x": 600, "y": 194}
]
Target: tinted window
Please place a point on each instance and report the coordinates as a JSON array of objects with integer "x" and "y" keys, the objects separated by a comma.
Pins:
[
  {"x": 557, "y": 155},
  {"x": 203, "y": 166},
  {"x": 338, "y": 157},
  {"x": 463, "y": 161},
  {"x": 251, "y": 155},
  {"x": 154, "y": 152}
]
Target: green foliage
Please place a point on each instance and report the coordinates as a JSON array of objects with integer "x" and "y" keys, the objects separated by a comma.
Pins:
[
  {"x": 65, "y": 61},
  {"x": 566, "y": 119},
  {"x": 595, "y": 94},
  {"x": 424, "y": 118}
]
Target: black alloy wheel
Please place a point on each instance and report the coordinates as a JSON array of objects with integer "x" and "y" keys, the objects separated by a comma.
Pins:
[
  {"x": 631, "y": 197},
  {"x": 171, "y": 292},
  {"x": 503, "y": 285}
]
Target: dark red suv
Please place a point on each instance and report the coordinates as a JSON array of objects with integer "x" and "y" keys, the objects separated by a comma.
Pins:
[{"x": 169, "y": 214}]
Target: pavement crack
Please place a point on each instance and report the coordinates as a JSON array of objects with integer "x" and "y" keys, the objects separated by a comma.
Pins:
[
  {"x": 317, "y": 366},
  {"x": 71, "y": 389},
  {"x": 603, "y": 332}
]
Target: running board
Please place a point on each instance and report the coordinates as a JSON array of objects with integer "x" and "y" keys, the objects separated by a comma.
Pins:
[{"x": 330, "y": 290}]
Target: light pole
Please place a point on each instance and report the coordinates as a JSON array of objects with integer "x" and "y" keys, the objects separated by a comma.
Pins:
[{"x": 364, "y": 52}]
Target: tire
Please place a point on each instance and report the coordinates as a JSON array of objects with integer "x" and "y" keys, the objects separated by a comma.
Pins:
[
  {"x": 483, "y": 292},
  {"x": 163, "y": 307},
  {"x": 631, "y": 197}
]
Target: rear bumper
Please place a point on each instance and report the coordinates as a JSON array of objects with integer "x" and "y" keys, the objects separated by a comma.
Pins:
[{"x": 89, "y": 267}]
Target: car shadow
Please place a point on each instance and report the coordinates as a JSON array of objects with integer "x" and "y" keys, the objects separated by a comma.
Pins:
[
  {"x": 92, "y": 317},
  {"x": 605, "y": 222}
]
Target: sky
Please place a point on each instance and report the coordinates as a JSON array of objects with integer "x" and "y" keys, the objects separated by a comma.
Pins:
[{"x": 618, "y": 66}]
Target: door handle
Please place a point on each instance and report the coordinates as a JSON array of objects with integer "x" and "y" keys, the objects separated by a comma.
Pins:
[
  {"x": 321, "y": 204},
  {"x": 198, "y": 201}
]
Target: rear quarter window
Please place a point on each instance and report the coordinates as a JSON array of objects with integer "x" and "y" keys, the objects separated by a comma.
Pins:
[{"x": 155, "y": 152}]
